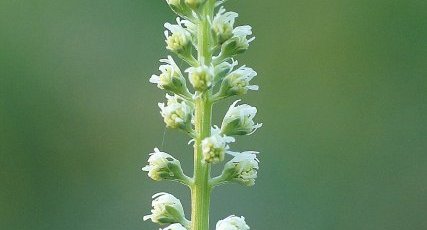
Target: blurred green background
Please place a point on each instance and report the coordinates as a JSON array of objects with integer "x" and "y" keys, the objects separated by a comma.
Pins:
[{"x": 343, "y": 101}]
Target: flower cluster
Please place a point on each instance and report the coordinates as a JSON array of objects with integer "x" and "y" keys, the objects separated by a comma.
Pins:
[{"x": 207, "y": 40}]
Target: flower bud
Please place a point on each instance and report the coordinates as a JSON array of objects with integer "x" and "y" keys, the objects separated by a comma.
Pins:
[
  {"x": 180, "y": 39},
  {"x": 163, "y": 166},
  {"x": 243, "y": 168},
  {"x": 239, "y": 120},
  {"x": 215, "y": 146},
  {"x": 171, "y": 78},
  {"x": 194, "y": 4},
  {"x": 175, "y": 227},
  {"x": 167, "y": 209},
  {"x": 232, "y": 223},
  {"x": 223, "y": 24},
  {"x": 237, "y": 82},
  {"x": 179, "y": 8},
  {"x": 176, "y": 113},
  {"x": 201, "y": 77}
]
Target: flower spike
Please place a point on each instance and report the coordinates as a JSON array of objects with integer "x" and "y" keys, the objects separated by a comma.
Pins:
[{"x": 206, "y": 37}]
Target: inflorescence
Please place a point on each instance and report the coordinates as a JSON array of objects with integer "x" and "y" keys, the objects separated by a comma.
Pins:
[{"x": 213, "y": 75}]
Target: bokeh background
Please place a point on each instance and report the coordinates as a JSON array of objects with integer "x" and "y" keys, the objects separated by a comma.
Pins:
[{"x": 343, "y": 101}]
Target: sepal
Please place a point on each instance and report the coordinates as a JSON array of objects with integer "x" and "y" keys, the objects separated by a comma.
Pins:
[{"x": 223, "y": 69}]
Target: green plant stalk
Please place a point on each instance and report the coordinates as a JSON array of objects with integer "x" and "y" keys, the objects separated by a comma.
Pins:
[{"x": 200, "y": 190}]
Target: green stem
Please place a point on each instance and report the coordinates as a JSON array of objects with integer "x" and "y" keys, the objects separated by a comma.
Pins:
[{"x": 200, "y": 190}]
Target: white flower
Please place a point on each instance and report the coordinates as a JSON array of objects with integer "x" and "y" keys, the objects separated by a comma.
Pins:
[
  {"x": 176, "y": 113},
  {"x": 232, "y": 223},
  {"x": 180, "y": 38},
  {"x": 239, "y": 120},
  {"x": 171, "y": 78},
  {"x": 223, "y": 24},
  {"x": 215, "y": 146},
  {"x": 242, "y": 42},
  {"x": 175, "y": 227},
  {"x": 201, "y": 77},
  {"x": 237, "y": 82},
  {"x": 239, "y": 43},
  {"x": 167, "y": 209},
  {"x": 243, "y": 168},
  {"x": 243, "y": 31},
  {"x": 162, "y": 166}
]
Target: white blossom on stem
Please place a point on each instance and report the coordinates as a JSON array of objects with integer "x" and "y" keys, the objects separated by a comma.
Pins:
[
  {"x": 223, "y": 24},
  {"x": 243, "y": 168},
  {"x": 239, "y": 120},
  {"x": 215, "y": 146},
  {"x": 201, "y": 77},
  {"x": 167, "y": 209},
  {"x": 237, "y": 82},
  {"x": 163, "y": 166},
  {"x": 232, "y": 223},
  {"x": 170, "y": 78},
  {"x": 177, "y": 113},
  {"x": 179, "y": 40}
]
